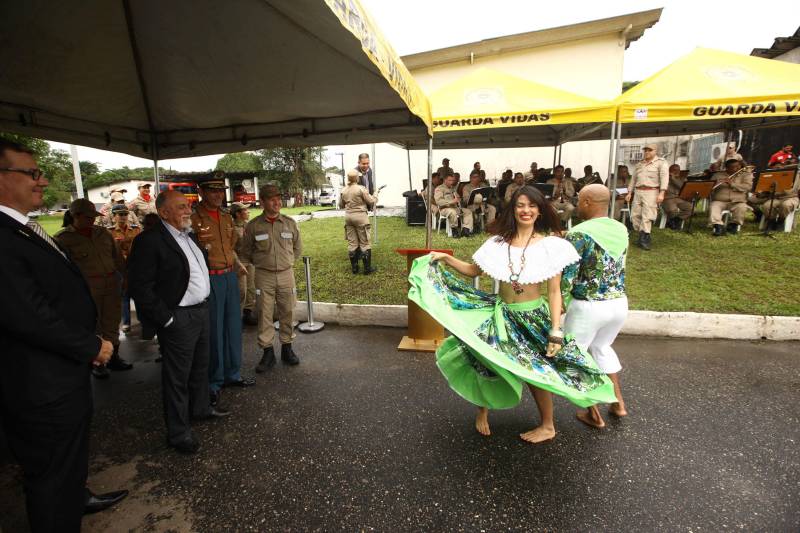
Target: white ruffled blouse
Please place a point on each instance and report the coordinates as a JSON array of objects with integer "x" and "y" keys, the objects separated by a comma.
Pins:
[{"x": 543, "y": 259}]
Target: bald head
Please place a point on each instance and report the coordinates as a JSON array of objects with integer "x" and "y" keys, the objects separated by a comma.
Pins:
[{"x": 593, "y": 201}]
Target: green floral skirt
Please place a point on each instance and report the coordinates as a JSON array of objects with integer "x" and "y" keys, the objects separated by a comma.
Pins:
[{"x": 496, "y": 347}]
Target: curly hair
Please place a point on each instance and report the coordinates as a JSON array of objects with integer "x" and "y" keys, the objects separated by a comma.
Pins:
[{"x": 505, "y": 225}]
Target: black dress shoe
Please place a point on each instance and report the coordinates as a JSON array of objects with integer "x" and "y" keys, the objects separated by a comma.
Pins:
[
  {"x": 244, "y": 382},
  {"x": 101, "y": 372},
  {"x": 212, "y": 414},
  {"x": 186, "y": 447},
  {"x": 248, "y": 319},
  {"x": 100, "y": 502},
  {"x": 288, "y": 356},
  {"x": 118, "y": 364},
  {"x": 213, "y": 398},
  {"x": 267, "y": 360}
]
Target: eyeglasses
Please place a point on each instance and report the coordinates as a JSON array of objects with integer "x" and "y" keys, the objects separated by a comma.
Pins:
[{"x": 34, "y": 173}]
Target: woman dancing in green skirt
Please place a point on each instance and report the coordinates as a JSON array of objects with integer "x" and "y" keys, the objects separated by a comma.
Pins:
[{"x": 500, "y": 342}]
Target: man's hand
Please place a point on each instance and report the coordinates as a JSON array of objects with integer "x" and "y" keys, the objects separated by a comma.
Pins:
[
  {"x": 552, "y": 349},
  {"x": 660, "y": 198},
  {"x": 242, "y": 270},
  {"x": 106, "y": 349},
  {"x": 629, "y": 197}
]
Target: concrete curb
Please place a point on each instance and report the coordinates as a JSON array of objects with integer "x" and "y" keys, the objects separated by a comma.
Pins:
[{"x": 649, "y": 323}]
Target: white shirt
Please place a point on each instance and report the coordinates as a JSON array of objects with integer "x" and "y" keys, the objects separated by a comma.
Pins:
[
  {"x": 199, "y": 285},
  {"x": 16, "y": 215}
]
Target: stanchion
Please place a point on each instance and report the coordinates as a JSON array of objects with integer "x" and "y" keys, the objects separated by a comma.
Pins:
[
  {"x": 310, "y": 326},
  {"x": 496, "y": 286},
  {"x": 476, "y": 282}
]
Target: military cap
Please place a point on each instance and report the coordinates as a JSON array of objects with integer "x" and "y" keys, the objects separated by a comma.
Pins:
[
  {"x": 651, "y": 146},
  {"x": 213, "y": 184},
  {"x": 119, "y": 209},
  {"x": 82, "y": 206},
  {"x": 268, "y": 191},
  {"x": 117, "y": 196}
]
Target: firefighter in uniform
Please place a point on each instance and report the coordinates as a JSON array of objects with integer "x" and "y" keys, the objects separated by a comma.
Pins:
[
  {"x": 247, "y": 282},
  {"x": 144, "y": 203},
  {"x": 93, "y": 250},
  {"x": 356, "y": 201},
  {"x": 784, "y": 203},
  {"x": 124, "y": 233},
  {"x": 272, "y": 244},
  {"x": 117, "y": 197},
  {"x": 446, "y": 197},
  {"x": 477, "y": 207},
  {"x": 676, "y": 208},
  {"x": 565, "y": 194},
  {"x": 647, "y": 190},
  {"x": 215, "y": 231},
  {"x": 730, "y": 193}
]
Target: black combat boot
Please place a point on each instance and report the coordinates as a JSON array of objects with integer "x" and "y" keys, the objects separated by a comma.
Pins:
[
  {"x": 287, "y": 354},
  {"x": 465, "y": 232},
  {"x": 248, "y": 319},
  {"x": 354, "y": 260},
  {"x": 733, "y": 228},
  {"x": 117, "y": 363},
  {"x": 366, "y": 256},
  {"x": 640, "y": 240},
  {"x": 674, "y": 223},
  {"x": 267, "y": 360},
  {"x": 645, "y": 245},
  {"x": 719, "y": 230}
]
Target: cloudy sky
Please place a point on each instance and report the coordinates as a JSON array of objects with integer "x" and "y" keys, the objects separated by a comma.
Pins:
[{"x": 418, "y": 25}]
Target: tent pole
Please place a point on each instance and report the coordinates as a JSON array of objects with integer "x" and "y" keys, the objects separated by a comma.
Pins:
[
  {"x": 560, "y": 150},
  {"x": 408, "y": 156},
  {"x": 374, "y": 184},
  {"x": 155, "y": 164},
  {"x": 428, "y": 221},
  {"x": 611, "y": 151},
  {"x": 614, "y": 140},
  {"x": 555, "y": 150},
  {"x": 76, "y": 170}
]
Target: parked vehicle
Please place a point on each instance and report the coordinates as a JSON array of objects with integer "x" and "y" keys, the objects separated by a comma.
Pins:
[
  {"x": 327, "y": 197},
  {"x": 244, "y": 193},
  {"x": 188, "y": 189}
]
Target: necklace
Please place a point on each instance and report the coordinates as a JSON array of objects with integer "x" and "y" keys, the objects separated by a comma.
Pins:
[{"x": 514, "y": 277}]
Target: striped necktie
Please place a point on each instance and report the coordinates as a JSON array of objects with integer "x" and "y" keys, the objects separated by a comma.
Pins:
[{"x": 39, "y": 230}]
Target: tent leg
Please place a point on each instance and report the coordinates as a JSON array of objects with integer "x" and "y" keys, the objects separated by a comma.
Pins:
[
  {"x": 375, "y": 211},
  {"x": 156, "y": 177},
  {"x": 555, "y": 151},
  {"x": 76, "y": 170},
  {"x": 560, "y": 150},
  {"x": 408, "y": 156},
  {"x": 428, "y": 226},
  {"x": 613, "y": 164},
  {"x": 611, "y": 151}
]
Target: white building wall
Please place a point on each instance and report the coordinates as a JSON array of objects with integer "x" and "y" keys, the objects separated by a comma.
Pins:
[{"x": 100, "y": 195}]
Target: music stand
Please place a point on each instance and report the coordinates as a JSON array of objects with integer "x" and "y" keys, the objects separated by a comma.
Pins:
[
  {"x": 772, "y": 182},
  {"x": 546, "y": 189},
  {"x": 486, "y": 192},
  {"x": 693, "y": 191}
]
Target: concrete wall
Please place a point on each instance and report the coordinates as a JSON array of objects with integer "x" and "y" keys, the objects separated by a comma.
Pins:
[
  {"x": 792, "y": 56},
  {"x": 100, "y": 195}
]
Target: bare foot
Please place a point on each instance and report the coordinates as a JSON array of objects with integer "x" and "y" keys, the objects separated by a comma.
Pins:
[
  {"x": 539, "y": 435},
  {"x": 482, "y": 421},
  {"x": 617, "y": 409},
  {"x": 591, "y": 417}
]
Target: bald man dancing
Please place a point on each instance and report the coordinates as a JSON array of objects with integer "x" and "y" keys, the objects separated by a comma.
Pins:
[{"x": 594, "y": 290}]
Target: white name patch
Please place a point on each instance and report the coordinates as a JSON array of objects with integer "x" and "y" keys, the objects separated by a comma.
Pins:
[{"x": 262, "y": 237}]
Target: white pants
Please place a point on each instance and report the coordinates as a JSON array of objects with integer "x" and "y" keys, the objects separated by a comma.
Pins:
[{"x": 595, "y": 325}]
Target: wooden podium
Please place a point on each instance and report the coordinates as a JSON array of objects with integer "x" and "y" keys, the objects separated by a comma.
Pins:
[{"x": 424, "y": 333}]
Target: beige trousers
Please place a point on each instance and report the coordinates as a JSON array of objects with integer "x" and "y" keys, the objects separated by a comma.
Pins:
[
  {"x": 491, "y": 212},
  {"x": 644, "y": 209},
  {"x": 247, "y": 288},
  {"x": 677, "y": 207},
  {"x": 357, "y": 231},
  {"x": 106, "y": 293},
  {"x": 564, "y": 210},
  {"x": 738, "y": 211},
  {"x": 452, "y": 215},
  {"x": 277, "y": 294}
]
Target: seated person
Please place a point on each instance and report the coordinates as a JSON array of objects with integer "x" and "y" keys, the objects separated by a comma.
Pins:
[
  {"x": 532, "y": 174},
  {"x": 730, "y": 153},
  {"x": 784, "y": 203},
  {"x": 519, "y": 181},
  {"x": 477, "y": 207},
  {"x": 730, "y": 193},
  {"x": 589, "y": 177},
  {"x": 436, "y": 180},
  {"x": 676, "y": 209},
  {"x": 449, "y": 202},
  {"x": 783, "y": 157},
  {"x": 623, "y": 180},
  {"x": 564, "y": 194}
]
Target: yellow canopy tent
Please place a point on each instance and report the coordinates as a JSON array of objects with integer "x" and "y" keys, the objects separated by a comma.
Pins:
[
  {"x": 488, "y": 108},
  {"x": 717, "y": 86}
]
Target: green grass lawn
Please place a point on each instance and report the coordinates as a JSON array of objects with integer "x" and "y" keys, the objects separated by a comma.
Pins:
[
  {"x": 743, "y": 274},
  {"x": 737, "y": 274}
]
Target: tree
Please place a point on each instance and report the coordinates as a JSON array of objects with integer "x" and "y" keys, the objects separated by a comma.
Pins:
[
  {"x": 294, "y": 169},
  {"x": 240, "y": 162},
  {"x": 629, "y": 85}
]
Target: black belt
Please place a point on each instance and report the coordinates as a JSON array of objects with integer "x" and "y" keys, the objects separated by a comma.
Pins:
[{"x": 195, "y": 306}]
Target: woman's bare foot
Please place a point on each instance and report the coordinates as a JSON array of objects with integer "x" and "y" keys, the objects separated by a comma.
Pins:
[
  {"x": 482, "y": 422},
  {"x": 539, "y": 435},
  {"x": 617, "y": 409},
  {"x": 591, "y": 417}
]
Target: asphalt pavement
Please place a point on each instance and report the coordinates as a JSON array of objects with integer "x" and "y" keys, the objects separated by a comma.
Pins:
[{"x": 361, "y": 437}]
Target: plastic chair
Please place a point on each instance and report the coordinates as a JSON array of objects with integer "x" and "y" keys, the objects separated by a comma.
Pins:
[{"x": 788, "y": 223}]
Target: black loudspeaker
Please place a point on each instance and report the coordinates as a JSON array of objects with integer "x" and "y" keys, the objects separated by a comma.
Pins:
[{"x": 415, "y": 211}]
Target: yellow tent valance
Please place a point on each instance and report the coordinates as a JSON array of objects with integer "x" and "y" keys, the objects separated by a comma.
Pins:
[
  {"x": 711, "y": 84},
  {"x": 487, "y": 99}
]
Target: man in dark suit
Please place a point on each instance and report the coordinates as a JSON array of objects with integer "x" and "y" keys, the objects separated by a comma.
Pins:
[
  {"x": 168, "y": 280},
  {"x": 365, "y": 173},
  {"x": 47, "y": 331}
]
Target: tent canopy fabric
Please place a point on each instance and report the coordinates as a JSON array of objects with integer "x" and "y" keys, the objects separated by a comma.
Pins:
[
  {"x": 717, "y": 86},
  {"x": 488, "y": 108},
  {"x": 203, "y": 77}
]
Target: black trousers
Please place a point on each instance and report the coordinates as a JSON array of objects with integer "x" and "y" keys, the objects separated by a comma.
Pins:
[
  {"x": 184, "y": 372},
  {"x": 51, "y": 443}
]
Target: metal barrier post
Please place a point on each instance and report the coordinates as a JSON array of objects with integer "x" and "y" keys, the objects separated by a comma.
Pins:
[
  {"x": 496, "y": 286},
  {"x": 310, "y": 326},
  {"x": 476, "y": 282}
]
